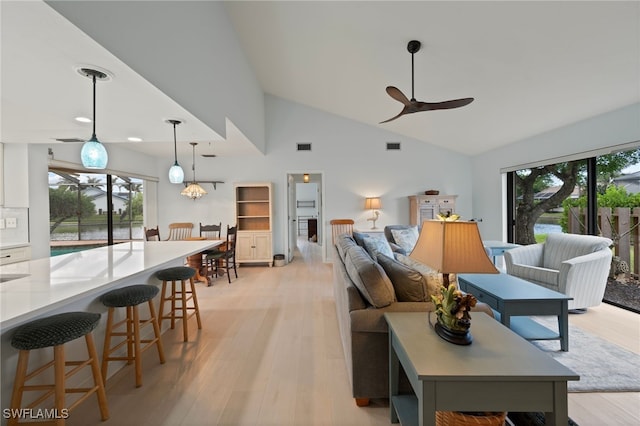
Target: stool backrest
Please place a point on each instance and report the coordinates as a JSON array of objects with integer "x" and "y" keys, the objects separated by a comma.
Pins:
[
  {"x": 210, "y": 231},
  {"x": 152, "y": 234},
  {"x": 341, "y": 226},
  {"x": 180, "y": 231}
]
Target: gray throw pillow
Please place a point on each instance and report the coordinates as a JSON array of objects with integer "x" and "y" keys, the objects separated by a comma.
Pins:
[
  {"x": 409, "y": 284},
  {"x": 406, "y": 238},
  {"x": 369, "y": 277},
  {"x": 377, "y": 245}
]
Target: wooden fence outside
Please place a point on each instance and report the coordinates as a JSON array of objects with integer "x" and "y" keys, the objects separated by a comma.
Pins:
[{"x": 619, "y": 224}]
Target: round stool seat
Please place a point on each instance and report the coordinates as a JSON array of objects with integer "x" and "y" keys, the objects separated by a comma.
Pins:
[
  {"x": 176, "y": 273},
  {"x": 129, "y": 296},
  {"x": 54, "y": 330}
]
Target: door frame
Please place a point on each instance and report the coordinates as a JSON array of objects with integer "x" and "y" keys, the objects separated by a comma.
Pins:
[{"x": 289, "y": 205}]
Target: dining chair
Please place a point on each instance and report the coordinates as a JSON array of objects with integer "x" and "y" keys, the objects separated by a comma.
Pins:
[
  {"x": 211, "y": 231},
  {"x": 179, "y": 231},
  {"x": 341, "y": 226},
  {"x": 225, "y": 258},
  {"x": 152, "y": 234}
]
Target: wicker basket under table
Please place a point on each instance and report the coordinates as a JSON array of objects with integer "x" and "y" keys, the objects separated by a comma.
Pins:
[{"x": 454, "y": 418}]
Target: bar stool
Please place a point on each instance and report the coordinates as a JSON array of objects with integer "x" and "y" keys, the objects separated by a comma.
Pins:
[
  {"x": 180, "y": 294},
  {"x": 56, "y": 330},
  {"x": 130, "y": 297}
]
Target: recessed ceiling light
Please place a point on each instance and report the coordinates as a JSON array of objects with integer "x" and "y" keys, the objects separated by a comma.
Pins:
[
  {"x": 134, "y": 139},
  {"x": 83, "y": 119}
]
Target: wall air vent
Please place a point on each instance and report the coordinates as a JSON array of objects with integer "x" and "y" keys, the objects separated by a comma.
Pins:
[
  {"x": 68, "y": 140},
  {"x": 393, "y": 146},
  {"x": 304, "y": 147}
]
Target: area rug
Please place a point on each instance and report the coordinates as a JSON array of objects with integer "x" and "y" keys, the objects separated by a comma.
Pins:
[{"x": 602, "y": 366}]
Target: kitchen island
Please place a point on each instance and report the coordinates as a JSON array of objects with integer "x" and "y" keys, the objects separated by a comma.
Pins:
[{"x": 74, "y": 282}]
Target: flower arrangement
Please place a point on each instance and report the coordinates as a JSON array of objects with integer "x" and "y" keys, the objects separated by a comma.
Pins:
[{"x": 452, "y": 308}]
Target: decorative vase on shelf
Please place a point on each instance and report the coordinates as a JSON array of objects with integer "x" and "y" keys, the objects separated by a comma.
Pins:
[{"x": 452, "y": 314}]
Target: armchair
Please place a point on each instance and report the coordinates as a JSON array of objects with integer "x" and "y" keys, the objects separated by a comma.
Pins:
[{"x": 575, "y": 265}]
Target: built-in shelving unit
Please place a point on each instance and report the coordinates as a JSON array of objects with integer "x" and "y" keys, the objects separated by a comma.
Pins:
[{"x": 254, "y": 216}]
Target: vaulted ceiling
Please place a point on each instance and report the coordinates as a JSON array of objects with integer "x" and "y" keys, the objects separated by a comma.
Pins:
[{"x": 531, "y": 67}]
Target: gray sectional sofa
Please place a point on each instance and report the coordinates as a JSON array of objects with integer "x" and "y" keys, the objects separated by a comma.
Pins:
[{"x": 364, "y": 290}]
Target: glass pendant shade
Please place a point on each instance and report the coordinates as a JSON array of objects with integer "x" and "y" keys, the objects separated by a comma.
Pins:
[
  {"x": 176, "y": 174},
  {"x": 94, "y": 154}
]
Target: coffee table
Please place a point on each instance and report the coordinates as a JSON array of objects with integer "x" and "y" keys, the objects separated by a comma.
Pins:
[
  {"x": 514, "y": 297},
  {"x": 499, "y": 371}
]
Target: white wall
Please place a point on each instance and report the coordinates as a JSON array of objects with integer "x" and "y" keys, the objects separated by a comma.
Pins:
[
  {"x": 351, "y": 155},
  {"x": 606, "y": 130}
]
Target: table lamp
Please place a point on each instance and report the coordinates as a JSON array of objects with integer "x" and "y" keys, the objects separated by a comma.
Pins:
[
  {"x": 373, "y": 203},
  {"x": 452, "y": 247}
]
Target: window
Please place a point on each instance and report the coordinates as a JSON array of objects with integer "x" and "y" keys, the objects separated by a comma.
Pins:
[{"x": 88, "y": 210}]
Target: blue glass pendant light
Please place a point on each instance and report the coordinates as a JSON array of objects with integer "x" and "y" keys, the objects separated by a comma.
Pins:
[
  {"x": 176, "y": 174},
  {"x": 94, "y": 154}
]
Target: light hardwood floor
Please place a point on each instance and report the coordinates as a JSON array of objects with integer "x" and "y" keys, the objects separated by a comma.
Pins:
[{"x": 270, "y": 354}]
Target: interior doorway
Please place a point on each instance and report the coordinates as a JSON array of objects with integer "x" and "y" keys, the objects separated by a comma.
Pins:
[{"x": 305, "y": 210}]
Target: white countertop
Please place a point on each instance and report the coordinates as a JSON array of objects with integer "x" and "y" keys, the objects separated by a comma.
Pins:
[{"x": 55, "y": 281}]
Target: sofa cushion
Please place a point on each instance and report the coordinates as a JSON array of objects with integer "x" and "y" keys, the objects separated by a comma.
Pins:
[
  {"x": 409, "y": 284},
  {"x": 406, "y": 238},
  {"x": 559, "y": 247},
  {"x": 369, "y": 277},
  {"x": 343, "y": 241},
  {"x": 377, "y": 245},
  {"x": 432, "y": 277},
  {"x": 359, "y": 237}
]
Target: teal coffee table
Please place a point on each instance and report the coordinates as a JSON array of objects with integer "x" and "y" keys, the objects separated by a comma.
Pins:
[{"x": 514, "y": 299}]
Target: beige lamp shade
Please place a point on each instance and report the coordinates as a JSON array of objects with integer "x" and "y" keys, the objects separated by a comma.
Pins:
[
  {"x": 372, "y": 203},
  {"x": 452, "y": 247}
]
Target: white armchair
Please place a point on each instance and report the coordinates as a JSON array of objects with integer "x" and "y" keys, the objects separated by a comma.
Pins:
[{"x": 575, "y": 265}]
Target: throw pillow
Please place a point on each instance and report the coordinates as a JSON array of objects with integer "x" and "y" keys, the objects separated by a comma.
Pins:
[
  {"x": 343, "y": 241},
  {"x": 409, "y": 284},
  {"x": 359, "y": 237},
  {"x": 369, "y": 278},
  {"x": 431, "y": 276},
  {"x": 377, "y": 245},
  {"x": 406, "y": 238}
]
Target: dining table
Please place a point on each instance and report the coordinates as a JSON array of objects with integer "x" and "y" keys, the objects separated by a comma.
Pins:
[{"x": 197, "y": 262}]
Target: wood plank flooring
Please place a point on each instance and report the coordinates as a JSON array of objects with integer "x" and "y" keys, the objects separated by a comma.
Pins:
[{"x": 269, "y": 353}]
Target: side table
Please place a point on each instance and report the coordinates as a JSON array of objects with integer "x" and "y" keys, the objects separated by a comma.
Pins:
[{"x": 499, "y": 371}]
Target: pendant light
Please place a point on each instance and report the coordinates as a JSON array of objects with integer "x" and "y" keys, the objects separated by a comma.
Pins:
[
  {"x": 193, "y": 191},
  {"x": 94, "y": 154},
  {"x": 176, "y": 174}
]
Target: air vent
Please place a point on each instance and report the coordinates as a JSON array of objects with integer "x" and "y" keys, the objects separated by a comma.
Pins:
[
  {"x": 209, "y": 155},
  {"x": 304, "y": 147},
  {"x": 70, "y": 140},
  {"x": 393, "y": 146}
]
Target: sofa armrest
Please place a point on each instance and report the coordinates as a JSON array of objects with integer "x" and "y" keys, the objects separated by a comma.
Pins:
[{"x": 530, "y": 255}]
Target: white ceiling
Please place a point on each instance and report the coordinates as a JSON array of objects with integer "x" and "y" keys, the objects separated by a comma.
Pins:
[{"x": 531, "y": 67}]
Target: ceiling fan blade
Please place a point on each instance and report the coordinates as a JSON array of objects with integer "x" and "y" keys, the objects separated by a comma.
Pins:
[
  {"x": 455, "y": 103},
  {"x": 403, "y": 112},
  {"x": 396, "y": 94}
]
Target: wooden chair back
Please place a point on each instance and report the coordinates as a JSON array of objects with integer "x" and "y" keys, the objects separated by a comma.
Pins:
[
  {"x": 341, "y": 226},
  {"x": 152, "y": 234},
  {"x": 210, "y": 231},
  {"x": 179, "y": 231}
]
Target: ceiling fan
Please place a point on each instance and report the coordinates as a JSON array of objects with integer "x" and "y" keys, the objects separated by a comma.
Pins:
[{"x": 411, "y": 106}]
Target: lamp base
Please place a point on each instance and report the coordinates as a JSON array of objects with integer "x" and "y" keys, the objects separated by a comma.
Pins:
[{"x": 453, "y": 336}]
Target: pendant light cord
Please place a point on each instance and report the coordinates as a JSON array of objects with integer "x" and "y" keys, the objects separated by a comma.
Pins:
[
  {"x": 412, "y": 95},
  {"x": 193, "y": 165},
  {"x": 175, "y": 146},
  {"x": 94, "y": 107}
]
